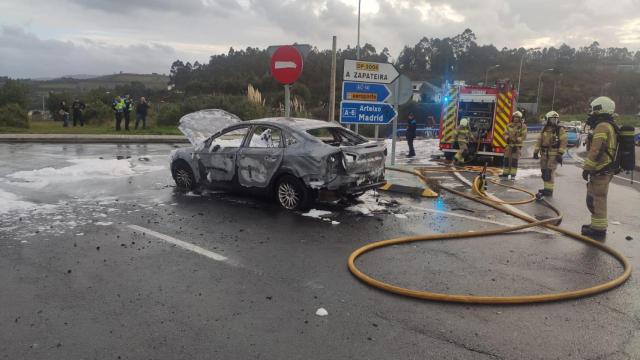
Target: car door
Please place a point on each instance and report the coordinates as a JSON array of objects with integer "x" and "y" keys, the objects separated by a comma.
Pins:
[
  {"x": 219, "y": 154},
  {"x": 260, "y": 157}
]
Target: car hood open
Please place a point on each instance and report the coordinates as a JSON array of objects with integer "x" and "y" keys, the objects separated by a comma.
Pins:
[{"x": 200, "y": 125}]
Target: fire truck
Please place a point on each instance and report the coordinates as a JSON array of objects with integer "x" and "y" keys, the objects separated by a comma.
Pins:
[{"x": 489, "y": 110}]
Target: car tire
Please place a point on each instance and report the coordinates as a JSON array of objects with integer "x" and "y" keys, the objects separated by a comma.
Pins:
[
  {"x": 292, "y": 194},
  {"x": 183, "y": 176}
]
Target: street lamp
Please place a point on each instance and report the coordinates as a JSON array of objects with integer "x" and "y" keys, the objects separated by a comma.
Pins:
[
  {"x": 555, "y": 83},
  {"x": 540, "y": 88},
  {"x": 521, "y": 64},
  {"x": 486, "y": 73}
]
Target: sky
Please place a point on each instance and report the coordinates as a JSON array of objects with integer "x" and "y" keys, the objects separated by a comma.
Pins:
[{"x": 50, "y": 38}]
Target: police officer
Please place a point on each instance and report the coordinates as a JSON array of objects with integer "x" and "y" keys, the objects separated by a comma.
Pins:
[
  {"x": 599, "y": 166},
  {"x": 128, "y": 108},
  {"x": 78, "y": 107},
  {"x": 412, "y": 126},
  {"x": 550, "y": 147},
  {"x": 463, "y": 138},
  {"x": 514, "y": 136},
  {"x": 118, "y": 107}
]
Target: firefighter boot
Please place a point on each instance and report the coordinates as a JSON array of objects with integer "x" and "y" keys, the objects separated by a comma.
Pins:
[
  {"x": 543, "y": 192},
  {"x": 595, "y": 234}
]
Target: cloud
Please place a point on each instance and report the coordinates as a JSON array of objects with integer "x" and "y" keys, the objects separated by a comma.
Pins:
[
  {"x": 148, "y": 35},
  {"x": 25, "y": 55},
  {"x": 188, "y": 7}
]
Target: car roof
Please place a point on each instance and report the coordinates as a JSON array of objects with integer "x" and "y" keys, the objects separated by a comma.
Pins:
[{"x": 300, "y": 124}]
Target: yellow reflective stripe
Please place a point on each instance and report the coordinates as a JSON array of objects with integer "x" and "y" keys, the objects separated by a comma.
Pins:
[
  {"x": 600, "y": 136},
  {"x": 549, "y": 186}
]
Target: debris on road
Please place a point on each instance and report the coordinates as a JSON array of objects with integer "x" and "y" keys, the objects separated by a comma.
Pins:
[
  {"x": 317, "y": 214},
  {"x": 322, "y": 312}
]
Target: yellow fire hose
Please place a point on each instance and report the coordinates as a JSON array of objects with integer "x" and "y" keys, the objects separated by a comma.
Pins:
[{"x": 474, "y": 299}]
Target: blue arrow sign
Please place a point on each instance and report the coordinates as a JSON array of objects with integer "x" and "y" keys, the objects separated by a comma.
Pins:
[
  {"x": 358, "y": 91},
  {"x": 358, "y": 112}
]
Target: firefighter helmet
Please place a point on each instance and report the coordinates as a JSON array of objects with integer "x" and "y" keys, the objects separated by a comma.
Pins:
[
  {"x": 603, "y": 105},
  {"x": 517, "y": 114},
  {"x": 464, "y": 122},
  {"x": 552, "y": 117}
]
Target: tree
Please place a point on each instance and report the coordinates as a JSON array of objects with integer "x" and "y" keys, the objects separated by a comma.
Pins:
[{"x": 14, "y": 92}]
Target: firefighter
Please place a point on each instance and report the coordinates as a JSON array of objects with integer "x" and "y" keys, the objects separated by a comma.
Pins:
[
  {"x": 118, "y": 107},
  {"x": 550, "y": 147},
  {"x": 599, "y": 166},
  {"x": 514, "y": 136},
  {"x": 463, "y": 137}
]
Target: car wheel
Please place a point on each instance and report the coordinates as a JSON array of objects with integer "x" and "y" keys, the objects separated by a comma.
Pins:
[
  {"x": 183, "y": 176},
  {"x": 291, "y": 193}
]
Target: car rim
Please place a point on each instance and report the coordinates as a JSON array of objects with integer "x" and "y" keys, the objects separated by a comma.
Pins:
[
  {"x": 183, "y": 178},
  {"x": 288, "y": 196}
]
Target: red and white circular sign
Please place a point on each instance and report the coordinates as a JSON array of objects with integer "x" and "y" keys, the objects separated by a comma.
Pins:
[{"x": 286, "y": 64}]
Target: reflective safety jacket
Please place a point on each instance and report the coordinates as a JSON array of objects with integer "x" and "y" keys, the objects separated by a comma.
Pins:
[
  {"x": 552, "y": 141},
  {"x": 601, "y": 147},
  {"x": 463, "y": 135},
  {"x": 515, "y": 134},
  {"x": 118, "y": 105}
]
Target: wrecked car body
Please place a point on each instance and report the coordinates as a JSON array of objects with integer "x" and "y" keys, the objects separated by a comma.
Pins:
[{"x": 291, "y": 158}]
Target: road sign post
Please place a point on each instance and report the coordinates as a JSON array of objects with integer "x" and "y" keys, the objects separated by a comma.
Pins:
[
  {"x": 359, "y": 112},
  {"x": 286, "y": 67},
  {"x": 394, "y": 136},
  {"x": 366, "y": 81}
]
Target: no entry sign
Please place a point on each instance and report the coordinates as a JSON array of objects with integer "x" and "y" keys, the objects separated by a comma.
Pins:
[{"x": 286, "y": 64}]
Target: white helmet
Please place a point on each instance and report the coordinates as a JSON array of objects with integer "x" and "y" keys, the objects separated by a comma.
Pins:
[
  {"x": 551, "y": 114},
  {"x": 603, "y": 105},
  {"x": 464, "y": 122},
  {"x": 552, "y": 117},
  {"x": 517, "y": 114}
]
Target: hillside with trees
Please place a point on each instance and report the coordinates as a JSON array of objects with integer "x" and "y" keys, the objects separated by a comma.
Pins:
[
  {"x": 580, "y": 73},
  {"x": 239, "y": 81}
]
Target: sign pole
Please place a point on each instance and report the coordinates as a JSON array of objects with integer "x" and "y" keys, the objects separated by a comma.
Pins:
[
  {"x": 395, "y": 123},
  {"x": 287, "y": 100},
  {"x": 332, "y": 90}
]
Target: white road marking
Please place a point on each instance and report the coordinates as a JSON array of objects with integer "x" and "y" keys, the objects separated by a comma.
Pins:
[{"x": 180, "y": 243}]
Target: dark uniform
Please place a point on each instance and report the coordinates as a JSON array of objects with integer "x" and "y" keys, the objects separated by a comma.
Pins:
[
  {"x": 411, "y": 134},
  {"x": 551, "y": 145},
  {"x": 128, "y": 108},
  {"x": 78, "y": 107},
  {"x": 514, "y": 136}
]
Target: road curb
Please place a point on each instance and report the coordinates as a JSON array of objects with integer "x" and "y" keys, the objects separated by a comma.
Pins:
[{"x": 93, "y": 139}]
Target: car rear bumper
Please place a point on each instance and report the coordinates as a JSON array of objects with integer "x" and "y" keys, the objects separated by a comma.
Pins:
[{"x": 361, "y": 188}]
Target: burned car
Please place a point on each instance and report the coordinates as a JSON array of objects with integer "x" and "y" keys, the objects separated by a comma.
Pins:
[{"x": 291, "y": 159}]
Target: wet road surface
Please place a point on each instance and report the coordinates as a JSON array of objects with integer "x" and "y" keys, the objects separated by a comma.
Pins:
[{"x": 101, "y": 258}]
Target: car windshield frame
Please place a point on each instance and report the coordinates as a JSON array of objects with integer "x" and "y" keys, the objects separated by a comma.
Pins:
[{"x": 339, "y": 135}]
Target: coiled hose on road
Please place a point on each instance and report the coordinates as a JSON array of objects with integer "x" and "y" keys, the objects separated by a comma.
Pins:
[{"x": 498, "y": 204}]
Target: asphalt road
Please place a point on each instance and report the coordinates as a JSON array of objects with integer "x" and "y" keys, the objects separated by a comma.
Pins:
[{"x": 102, "y": 258}]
